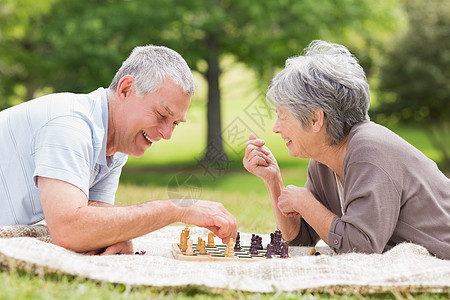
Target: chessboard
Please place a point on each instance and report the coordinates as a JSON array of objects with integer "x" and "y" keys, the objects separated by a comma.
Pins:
[
  {"x": 187, "y": 250},
  {"x": 217, "y": 254}
]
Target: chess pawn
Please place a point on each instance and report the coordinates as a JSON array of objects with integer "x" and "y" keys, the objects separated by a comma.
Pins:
[
  {"x": 254, "y": 248},
  {"x": 259, "y": 244},
  {"x": 211, "y": 240},
  {"x": 189, "y": 250},
  {"x": 202, "y": 248},
  {"x": 311, "y": 251},
  {"x": 269, "y": 252},
  {"x": 199, "y": 241},
  {"x": 230, "y": 248}
]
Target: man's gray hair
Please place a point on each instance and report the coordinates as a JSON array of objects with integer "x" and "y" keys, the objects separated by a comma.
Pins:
[
  {"x": 150, "y": 65},
  {"x": 328, "y": 77}
]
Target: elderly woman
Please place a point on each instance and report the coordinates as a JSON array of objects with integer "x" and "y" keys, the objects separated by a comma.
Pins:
[{"x": 367, "y": 188}]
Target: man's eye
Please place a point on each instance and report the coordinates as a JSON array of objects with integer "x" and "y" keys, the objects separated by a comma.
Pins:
[{"x": 161, "y": 115}]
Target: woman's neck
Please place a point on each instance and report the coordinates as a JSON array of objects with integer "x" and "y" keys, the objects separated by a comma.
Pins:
[{"x": 333, "y": 156}]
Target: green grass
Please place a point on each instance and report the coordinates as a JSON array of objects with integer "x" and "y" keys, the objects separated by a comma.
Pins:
[
  {"x": 23, "y": 286},
  {"x": 243, "y": 194}
]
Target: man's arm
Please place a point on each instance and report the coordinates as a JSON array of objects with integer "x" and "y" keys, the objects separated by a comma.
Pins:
[
  {"x": 125, "y": 247},
  {"x": 75, "y": 225}
]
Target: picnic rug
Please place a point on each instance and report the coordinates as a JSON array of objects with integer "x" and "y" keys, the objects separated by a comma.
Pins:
[{"x": 406, "y": 266}]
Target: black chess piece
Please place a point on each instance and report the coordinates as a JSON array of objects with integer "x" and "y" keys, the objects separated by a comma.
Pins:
[
  {"x": 259, "y": 243},
  {"x": 284, "y": 250},
  {"x": 254, "y": 248},
  {"x": 237, "y": 245},
  {"x": 278, "y": 235},
  {"x": 277, "y": 240},
  {"x": 269, "y": 252},
  {"x": 277, "y": 247}
]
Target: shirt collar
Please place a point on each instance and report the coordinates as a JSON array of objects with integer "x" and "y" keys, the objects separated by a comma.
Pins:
[{"x": 102, "y": 159}]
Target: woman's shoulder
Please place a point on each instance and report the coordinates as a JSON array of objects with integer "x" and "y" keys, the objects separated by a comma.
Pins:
[
  {"x": 371, "y": 137},
  {"x": 375, "y": 144}
]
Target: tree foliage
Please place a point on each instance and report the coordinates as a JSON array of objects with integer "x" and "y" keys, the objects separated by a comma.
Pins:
[
  {"x": 21, "y": 49},
  {"x": 415, "y": 79},
  {"x": 80, "y": 44}
]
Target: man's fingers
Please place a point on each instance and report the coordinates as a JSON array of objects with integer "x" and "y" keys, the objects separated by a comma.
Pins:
[
  {"x": 225, "y": 228},
  {"x": 110, "y": 251},
  {"x": 93, "y": 252},
  {"x": 252, "y": 136}
]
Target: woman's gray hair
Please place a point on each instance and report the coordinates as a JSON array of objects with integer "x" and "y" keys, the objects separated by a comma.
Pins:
[
  {"x": 328, "y": 77},
  {"x": 150, "y": 65}
]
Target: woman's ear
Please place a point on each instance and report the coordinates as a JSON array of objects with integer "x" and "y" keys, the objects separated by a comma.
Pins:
[
  {"x": 125, "y": 87},
  {"x": 318, "y": 120}
]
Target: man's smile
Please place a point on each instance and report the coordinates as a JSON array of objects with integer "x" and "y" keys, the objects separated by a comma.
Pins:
[{"x": 146, "y": 137}]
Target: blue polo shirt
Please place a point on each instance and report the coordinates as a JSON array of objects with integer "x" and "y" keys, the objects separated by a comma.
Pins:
[{"x": 61, "y": 136}]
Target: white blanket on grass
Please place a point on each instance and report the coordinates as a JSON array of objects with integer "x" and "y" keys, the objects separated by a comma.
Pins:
[{"x": 406, "y": 266}]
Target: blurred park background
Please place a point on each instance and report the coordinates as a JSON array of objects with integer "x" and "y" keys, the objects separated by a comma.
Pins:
[{"x": 234, "y": 48}]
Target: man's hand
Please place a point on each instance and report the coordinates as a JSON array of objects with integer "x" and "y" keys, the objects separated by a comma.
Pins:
[
  {"x": 259, "y": 160},
  {"x": 213, "y": 216},
  {"x": 119, "y": 248}
]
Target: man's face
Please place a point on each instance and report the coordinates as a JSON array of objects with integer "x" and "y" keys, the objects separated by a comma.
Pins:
[{"x": 145, "y": 120}]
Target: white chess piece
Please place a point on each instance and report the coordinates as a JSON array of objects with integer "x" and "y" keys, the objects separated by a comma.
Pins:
[{"x": 189, "y": 250}]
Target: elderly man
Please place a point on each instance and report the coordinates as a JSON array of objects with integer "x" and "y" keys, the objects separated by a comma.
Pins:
[
  {"x": 62, "y": 155},
  {"x": 367, "y": 188}
]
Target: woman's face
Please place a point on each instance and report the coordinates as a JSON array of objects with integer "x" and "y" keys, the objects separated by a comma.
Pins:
[{"x": 299, "y": 140}]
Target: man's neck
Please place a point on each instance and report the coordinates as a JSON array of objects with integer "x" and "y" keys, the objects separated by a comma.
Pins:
[{"x": 111, "y": 132}]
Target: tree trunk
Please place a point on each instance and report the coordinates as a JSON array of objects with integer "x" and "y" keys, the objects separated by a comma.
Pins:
[{"x": 214, "y": 151}]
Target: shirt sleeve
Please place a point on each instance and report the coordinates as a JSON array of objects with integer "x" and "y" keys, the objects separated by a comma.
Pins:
[
  {"x": 105, "y": 189},
  {"x": 307, "y": 236},
  {"x": 63, "y": 149},
  {"x": 371, "y": 208}
]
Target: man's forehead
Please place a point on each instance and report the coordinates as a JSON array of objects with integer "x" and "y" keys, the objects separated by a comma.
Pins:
[{"x": 169, "y": 111}]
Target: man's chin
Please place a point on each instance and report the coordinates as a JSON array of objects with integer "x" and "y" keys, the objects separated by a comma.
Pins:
[{"x": 139, "y": 155}]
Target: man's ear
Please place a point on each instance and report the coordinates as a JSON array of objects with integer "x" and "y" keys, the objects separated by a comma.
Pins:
[
  {"x": 125, "y": 87},
  {"x": 318, "y": 119}
]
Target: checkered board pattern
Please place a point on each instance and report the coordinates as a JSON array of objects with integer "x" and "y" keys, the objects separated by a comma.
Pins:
[{"x": 217, "y": 253}]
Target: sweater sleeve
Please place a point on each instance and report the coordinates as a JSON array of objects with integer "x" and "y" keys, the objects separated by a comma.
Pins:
[
  {"x": 307, "y": 236},
  {"x": 371, "y": 208}
]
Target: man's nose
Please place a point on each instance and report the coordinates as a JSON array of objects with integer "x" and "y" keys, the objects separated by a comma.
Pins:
[{"x": 166, "y": 131}]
